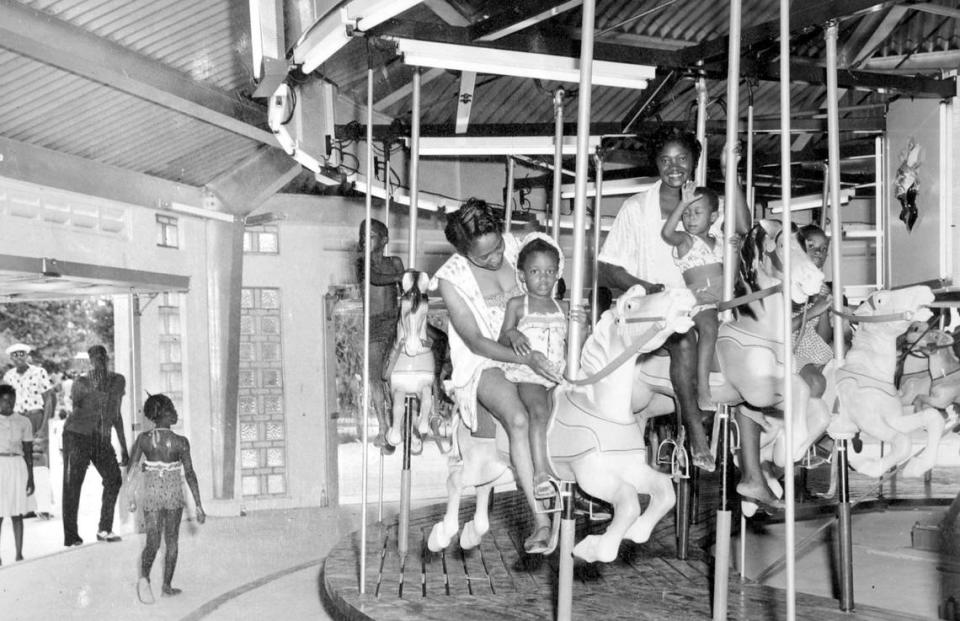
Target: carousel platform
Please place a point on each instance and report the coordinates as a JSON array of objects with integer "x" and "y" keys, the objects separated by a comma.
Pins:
[{"x": 647, "y": 581}]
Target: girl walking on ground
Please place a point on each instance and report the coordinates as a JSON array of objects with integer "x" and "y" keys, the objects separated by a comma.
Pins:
[
  {"x": 166, "y": 459},
  {"x": 16, "y": 464}
]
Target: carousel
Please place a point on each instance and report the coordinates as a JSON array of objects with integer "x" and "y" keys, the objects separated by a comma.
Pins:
[{"x": 639, "y": 528}]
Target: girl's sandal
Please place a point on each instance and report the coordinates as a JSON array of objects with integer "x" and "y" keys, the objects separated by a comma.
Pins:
[
  {"x": 169, "y": 591},
  {"x": 144, "y": 592},
  {"x": 544, "y": 539},
  {"x": 545, "y": 487}
]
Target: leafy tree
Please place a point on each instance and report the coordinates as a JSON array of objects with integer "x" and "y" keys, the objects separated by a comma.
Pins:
[{"x": 57, "y": 330}]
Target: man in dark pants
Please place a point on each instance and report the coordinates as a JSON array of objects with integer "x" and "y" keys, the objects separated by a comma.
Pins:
[{"x": 87, "y": 438}]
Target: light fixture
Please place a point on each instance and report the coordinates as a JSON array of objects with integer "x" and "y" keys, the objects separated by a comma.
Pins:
[
  {"x": 813, "y": 201},
  {"x": 500, "y": 145},
  {"x": 614, "y": 187},
  {"x": 520, "y": 64}
]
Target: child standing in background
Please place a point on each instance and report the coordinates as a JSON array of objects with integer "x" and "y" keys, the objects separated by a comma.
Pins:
[
  {"x": 166, "y": 462},
  {"x": 16, "y": 464}
]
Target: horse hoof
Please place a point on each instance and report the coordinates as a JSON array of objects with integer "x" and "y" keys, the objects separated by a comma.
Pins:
[
  {"x": 748, "y": 509},
  {"x": 470, "y": 537},
  {"x": 393, "y": 437},
  {"x": 439, "y": 539}
]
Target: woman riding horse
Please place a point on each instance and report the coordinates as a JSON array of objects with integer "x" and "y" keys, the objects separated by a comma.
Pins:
[{"x": 475, "y": 284}]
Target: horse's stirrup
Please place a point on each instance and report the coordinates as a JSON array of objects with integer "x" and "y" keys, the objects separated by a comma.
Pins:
[{"x": 680, "y": 463}]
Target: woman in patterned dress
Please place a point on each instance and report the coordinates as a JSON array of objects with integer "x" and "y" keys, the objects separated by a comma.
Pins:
[
  {"x": 475, "y": 284},
  {"x": 811, "y": 324},
  {"x": 166, "y": 463}
]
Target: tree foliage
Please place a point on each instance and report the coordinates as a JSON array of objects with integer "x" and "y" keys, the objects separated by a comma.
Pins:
[{"x": 57, "y": 330}]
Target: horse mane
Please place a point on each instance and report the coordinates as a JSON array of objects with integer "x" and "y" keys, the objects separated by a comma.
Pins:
[
  {"x": 751, "y": 249},
  {"x": 596, "y": 350}
]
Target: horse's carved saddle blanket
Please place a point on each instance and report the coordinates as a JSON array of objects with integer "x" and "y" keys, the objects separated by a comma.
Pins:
[
  {"x": 576, "y": 431},
  {"x": 730, "y": 334}
]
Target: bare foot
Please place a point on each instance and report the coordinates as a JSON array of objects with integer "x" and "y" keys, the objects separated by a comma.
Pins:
[
  {"x": 759, "y": 494},
  {"x": 703, "y": 459},
  {"x": 144, "y": 592},
  {"x": 169, "y": 591},
  {"x": 542, "y": 540}
]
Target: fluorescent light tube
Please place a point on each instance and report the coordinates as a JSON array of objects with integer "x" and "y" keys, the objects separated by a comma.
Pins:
[
  {"x": 520, "y": 64},
  {"x": 499, "y": 145}
]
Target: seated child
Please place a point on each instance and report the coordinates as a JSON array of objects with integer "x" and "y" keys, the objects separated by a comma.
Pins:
[
  {"x": 16, "y": 464},
  {"x": 700, "y": 256},
  {"x": 166, "y": 463},
  {"x": 537, "y": 321}
]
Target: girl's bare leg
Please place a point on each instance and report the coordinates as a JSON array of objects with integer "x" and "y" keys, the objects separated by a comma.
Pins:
[
  {"x": 502, "y": 399},
  {"x": 171, "y": 542},
  {"x": 707, "y": 324},
  {"x": 18, "y": 535},
  {"x": 151, "y": 522},
  {"x": 537, "y": 402}
]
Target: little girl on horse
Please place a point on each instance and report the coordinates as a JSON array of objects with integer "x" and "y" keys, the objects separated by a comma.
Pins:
[
  {"x": 537, "y": 321},
  {"x": 700, "y": 255}
]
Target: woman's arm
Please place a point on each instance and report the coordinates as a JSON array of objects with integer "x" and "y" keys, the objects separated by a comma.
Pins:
[
  {"x": 510, "y": 336},
  {"x": 466, "y": 326},
  {"x": 380, "y": 277},
  {"x": 135, "y": 453},
  {"x": 28, "y": 458},
  {"x": 617, "y": 277},
  {"x": 191, "y": 477}
]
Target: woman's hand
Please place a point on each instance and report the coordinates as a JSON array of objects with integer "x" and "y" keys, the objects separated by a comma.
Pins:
[
  {"x": 201, "y": 516},
  {"x": 541, "y": 366},
  {"x": 30, "y": 487},
  {"x": 737, "y": 153},
  {"x": 820, "y": 305},
  {"x": 579, "y": 313},
  {"x": 518, "y": 342}
]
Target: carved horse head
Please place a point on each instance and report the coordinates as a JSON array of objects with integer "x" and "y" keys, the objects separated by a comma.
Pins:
[
  {"x": 761, "y": 262},
  {"x": 412, "y": 327}
]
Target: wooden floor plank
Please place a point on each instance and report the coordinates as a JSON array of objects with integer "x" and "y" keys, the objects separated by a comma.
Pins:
[{"x": 647, "y": 581}]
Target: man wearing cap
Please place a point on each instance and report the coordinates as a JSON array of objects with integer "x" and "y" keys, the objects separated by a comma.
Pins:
[
  {"x": 87, "y": 435},
  {"x": 36, "y": 400}
]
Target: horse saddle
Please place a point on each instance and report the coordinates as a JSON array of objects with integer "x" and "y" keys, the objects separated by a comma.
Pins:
[{"x": 575, "y": 431}]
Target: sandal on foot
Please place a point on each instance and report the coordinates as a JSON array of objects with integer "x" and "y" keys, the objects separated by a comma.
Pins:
[
  {"x": 545, "y": 487},
  {"x": 705, "y": 461},
  {"x": 544, "y": 538},
  {"x": 144, "y": 592}
]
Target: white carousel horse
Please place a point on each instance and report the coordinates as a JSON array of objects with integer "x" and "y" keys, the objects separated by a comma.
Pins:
[
  {"x": 750, "y": 349},
  {"x": 592, "y": 438},
  {"x": 931, "y": 374},
  {"x": 410, "y": 370},
  {"x": 863, "y": 392}
]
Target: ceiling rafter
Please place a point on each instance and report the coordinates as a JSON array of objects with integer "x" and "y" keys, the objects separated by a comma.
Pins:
[
  {"x": 679, "y": 60},
  {"x": 520, "y": 16},
  {"x": 44, "y": 38}
]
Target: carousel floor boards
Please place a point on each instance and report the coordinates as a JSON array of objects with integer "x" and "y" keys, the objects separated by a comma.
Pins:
[{"x": 498, "y": 581}]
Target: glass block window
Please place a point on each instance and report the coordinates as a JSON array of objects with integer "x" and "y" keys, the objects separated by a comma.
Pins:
[
  {"x": 170, "y": 347},
  {"x": 261, "y": 239},
  {"x": 262, "y": 418},
  {"x": 168, "y": 232}
]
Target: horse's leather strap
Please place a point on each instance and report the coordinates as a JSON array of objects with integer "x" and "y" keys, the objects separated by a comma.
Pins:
[
  {"x": 750, "y": 297},
  {"x": 873, "y": 318},
  {"x": 614, "y": 364}
]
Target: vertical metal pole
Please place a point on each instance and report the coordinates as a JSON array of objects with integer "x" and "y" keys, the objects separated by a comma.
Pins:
[
  {"x": 833, "y": 149},
  {"x": 366, "y": 338},
  {"x": 825, "y": 201},
  {"x": 743, "y": 546},
  {"x": 403, "y": 528},
  {"x": 748, "y": 190},
  {"x": 787, "y": 319},
  {"x": 136, "y": 346},
  {"x": 844, "y": 525},
  {"x": 414, "y": 168},
  {"x": 558, "y": 159},
  {"x": 567, "y": 523},
  {"x": 701, "y": 86},
  {"x": 597, "y": 201},
  {"x": 946, "y": 186},
  {"x": 567, "y": 531},
  {"x": 508, "y": 199},
  {"x": 721, "y": 567},
  {"x": 880, "y": 247},
  {"x": 386, "y": 189}
]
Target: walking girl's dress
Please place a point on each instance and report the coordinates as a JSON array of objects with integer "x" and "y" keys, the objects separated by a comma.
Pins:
[
  {"x": 14, "y": 431},
  {"x": 162, "y": 484}
]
